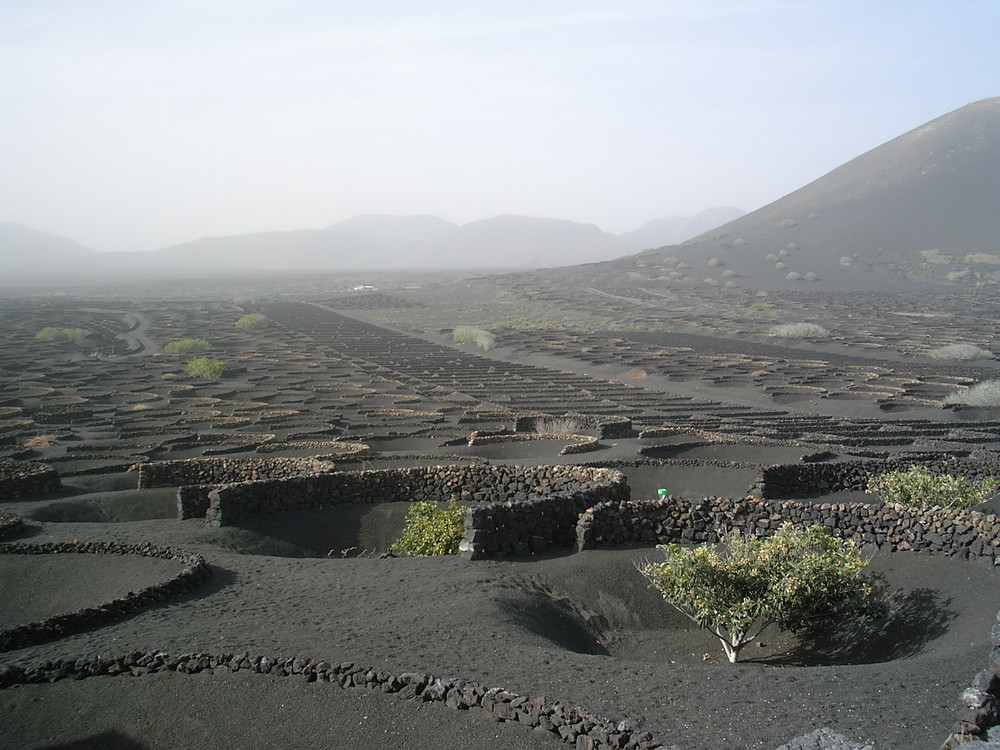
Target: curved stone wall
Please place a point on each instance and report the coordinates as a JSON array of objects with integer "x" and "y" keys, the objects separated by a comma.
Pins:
[
  {"x": 195, "y": 570},
  {"x": 195, "y": 478},
  {"x": 524, "y": 509},
  {"x": 572, "y": 725}
]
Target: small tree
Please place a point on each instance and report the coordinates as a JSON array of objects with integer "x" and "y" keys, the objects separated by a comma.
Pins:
[
  {"x": 919, "y": 488},
  {"x": 789, "y": 580},
  {"x": 203, "y": 367},
  {"x": 62, "y": 335},
  {"x": 187, "y": 346},
  {"x": 251, "y": 320},
  {"x": 431, "y": 530}
]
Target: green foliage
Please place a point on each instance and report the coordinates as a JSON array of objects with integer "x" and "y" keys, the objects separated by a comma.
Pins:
[
  {"x": 483, "y": 339},
  {"x": 432, "y": 530},
  {"x": 251, "y": 320},
  {"x": 203, "y": 367},
  {"x": 62, "y": 335},
  {"x": 919, "y": 488},
  {"x": 187, "y": 346},
  {"x": 788, "y": 580}
]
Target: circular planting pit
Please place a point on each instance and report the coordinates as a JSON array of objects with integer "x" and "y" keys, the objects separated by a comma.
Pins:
[
  {"x": 54, "y": 589},
  {"x": 614, "y": 611},
  {"x": 348, "y": 530}
]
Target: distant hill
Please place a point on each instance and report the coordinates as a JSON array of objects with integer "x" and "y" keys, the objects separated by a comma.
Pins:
[
  {"x": 404, "y": 242},
  {"x": 19, "y": 240},
  {"x": 921, "y": 208},
  {"x": 386, "y": 228},
  {"x": 672, "y": 230},
  {"x": 28, "y": 251}
]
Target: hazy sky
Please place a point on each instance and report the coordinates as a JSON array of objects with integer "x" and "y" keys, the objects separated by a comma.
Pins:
[{"x": 133, "y": 125}]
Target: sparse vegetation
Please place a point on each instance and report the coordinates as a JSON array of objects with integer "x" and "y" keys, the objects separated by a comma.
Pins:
[
  {"x": 771, "y": 258},
  {"x": 985, "y": 394},
  {"x": 739, "y": 242},
  {"x": 846, "y": 260},
  {"x": 800, "y": 331},
  {"x": 793, "y": 276},
  {"x": 41, "y": 441},
  {"x": 917, "y": 487},
  {"x": 557, "y": 426},
  {"x": 788, "y": 580},
  {"x": 483, "y": 339},
  {"x": 203, "y": 367},
  {"x": 432, "y": 530},
  {"x": 962, "y": 352},
  {"x": 251, "y": 320},
  {"x": 714, "y": 263},
  {"x": 810, "y": 276},
  {"x": 787, "y": 223},
  {"x": 62, "y": 335},
  {"x": 187, "y": 346}
]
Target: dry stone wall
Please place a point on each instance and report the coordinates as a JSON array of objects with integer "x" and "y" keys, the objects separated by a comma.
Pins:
[
  {"x": 890, "y": 527},
  {"x": 572, "y": 725},
  {"x": 25, "y": 478},
  {"x": 523, "y": 510},
  {"x": 811, "y": 478},
  {"x": 194, "y": 571},
  {"x": 225, "y": 471}
]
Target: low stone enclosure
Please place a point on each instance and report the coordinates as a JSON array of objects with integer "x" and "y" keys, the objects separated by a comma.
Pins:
[
  {"x": 514, "y": 510},
  {"x": 574, "y": 726},
  {"x": 195, "y": 571},
  {"x": 25, "y": 478}
]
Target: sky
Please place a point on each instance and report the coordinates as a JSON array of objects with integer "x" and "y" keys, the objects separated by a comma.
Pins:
[{"x": 138, "y": 125}]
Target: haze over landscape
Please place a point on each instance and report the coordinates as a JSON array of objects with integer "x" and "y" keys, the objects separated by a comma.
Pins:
[
  {"x": 134, "y": 127},
  {"x": 605, "y": 275}
]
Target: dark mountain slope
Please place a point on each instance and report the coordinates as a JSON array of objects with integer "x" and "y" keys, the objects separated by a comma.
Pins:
[{"x": 922, "y": 207}]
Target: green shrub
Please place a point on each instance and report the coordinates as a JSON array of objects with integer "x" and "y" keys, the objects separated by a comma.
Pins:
[
  {"x": 251, "y": 320},
  {"x": 203, "y": 367},
  {"x": 788, "y": 580},
  {"x": 917, "y": 487},
  {"x": 62, "y": 335},
  {"x": 187, "y": 346},
  {"x": 432, "y": 530}
]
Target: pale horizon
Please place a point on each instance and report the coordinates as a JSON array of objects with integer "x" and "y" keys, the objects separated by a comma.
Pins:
[{"x": 132, "y": 127}]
